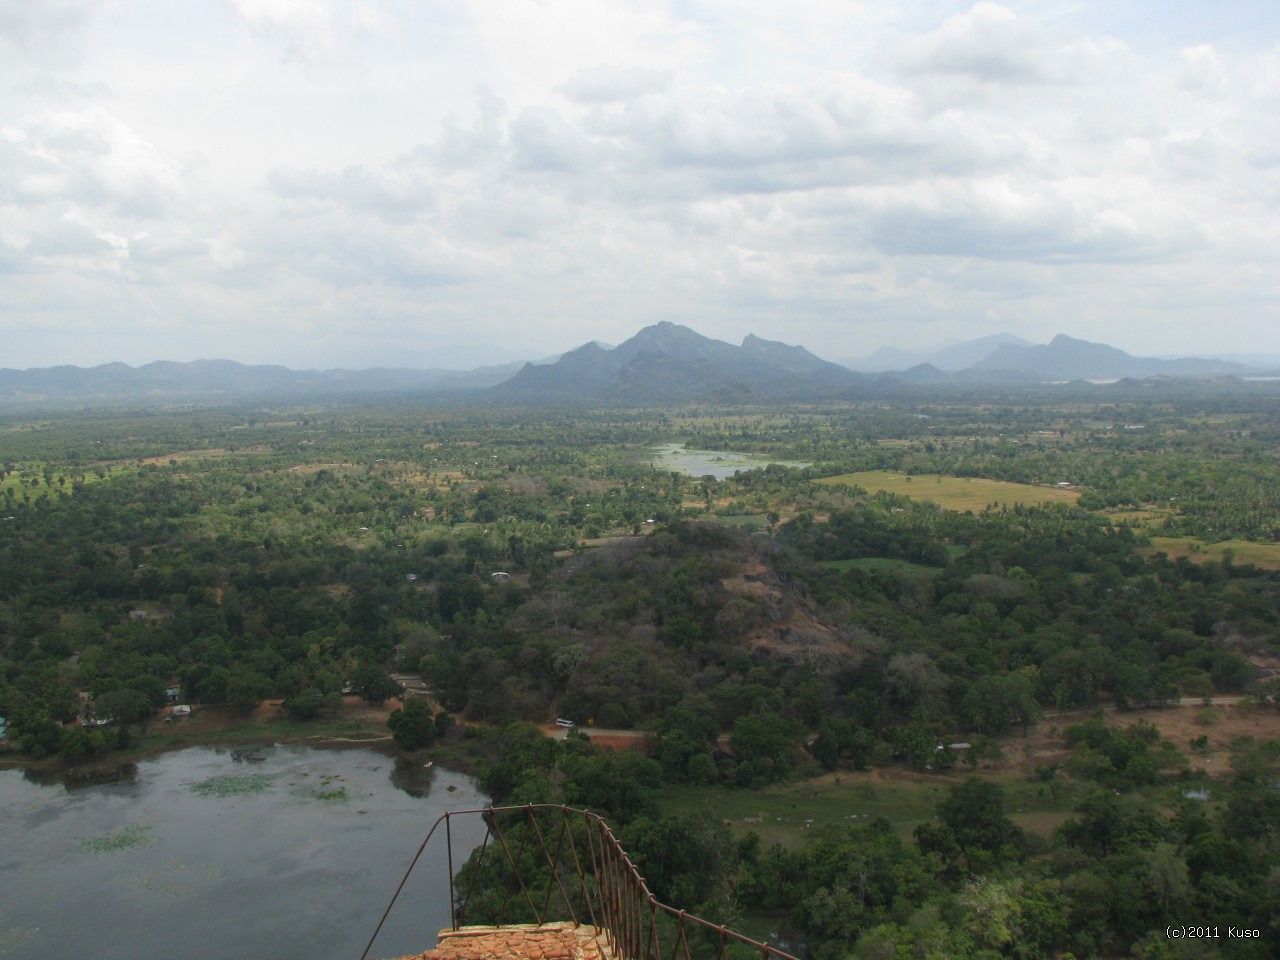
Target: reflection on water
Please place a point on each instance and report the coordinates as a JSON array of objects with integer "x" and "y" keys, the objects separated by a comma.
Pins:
[
  {"x": 717, "y": 463},
  {"x": 294, "y": 852},
  {"x": 412, "y": 776},
  {"x": 75, "y": 778}
]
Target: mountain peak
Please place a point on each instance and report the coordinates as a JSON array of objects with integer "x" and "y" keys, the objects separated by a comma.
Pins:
[
  {"x": 667, "y": 360},
  {"x": 1067, "y": 358}
]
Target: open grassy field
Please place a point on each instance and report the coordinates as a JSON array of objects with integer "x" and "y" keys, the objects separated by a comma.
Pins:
[
  {"x": 901, "y": 568},
  {"x": 1264, "y": 555},
  {"x": 1138, "y": 518},
  {"x": 28, "y": 479},
  {"x": 207, "y": 453},
  {"x": 758, "y": 521},
  {"x": 954, "y": 493},
  {"x": 355, "y": 722},
  {"x": 787, "y": 813}
]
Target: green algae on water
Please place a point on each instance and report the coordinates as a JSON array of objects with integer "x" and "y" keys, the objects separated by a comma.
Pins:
[
  {"x": 133, "y": 835},
  {"x": 234, "y": 785}
]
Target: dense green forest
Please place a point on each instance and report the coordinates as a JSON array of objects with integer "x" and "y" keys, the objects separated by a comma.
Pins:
[{"x": 763, "y": 629}]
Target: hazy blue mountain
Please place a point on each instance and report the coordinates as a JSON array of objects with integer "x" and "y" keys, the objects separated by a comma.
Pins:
[
  {"x": 921, "y": 372},
  {"x": 220, "y": 379},
  {"x": 1258, "y": 361},
  {"x": 665, "y": 361},
  {"x": 793, "y": 358},
  {"x": 957, "y": 356},
  {"x": 1066, "y": 358},
  {"x": 669, "y": 361}
]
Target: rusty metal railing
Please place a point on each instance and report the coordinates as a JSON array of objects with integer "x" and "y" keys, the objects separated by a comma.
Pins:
[{"x": 541, "y": 863}]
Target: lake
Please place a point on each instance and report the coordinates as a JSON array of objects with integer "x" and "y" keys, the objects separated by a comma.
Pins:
[
  {"x": 718, "y": 463},
  {"x": 198, "y": 854}
]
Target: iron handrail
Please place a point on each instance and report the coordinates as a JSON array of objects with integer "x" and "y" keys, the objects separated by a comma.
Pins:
[{"x": 597, "y": 884}]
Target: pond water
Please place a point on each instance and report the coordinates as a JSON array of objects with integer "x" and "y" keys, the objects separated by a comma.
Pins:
[
  {"x": 718, "y": 463},
  {"x": 199, "y": 854}
]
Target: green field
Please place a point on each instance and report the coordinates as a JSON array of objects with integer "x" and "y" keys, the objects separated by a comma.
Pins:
[
  {"x": 1138, "y": 518},
  {"x": 758, "y": 521},
  {"x": 954, "y": 493},
  {"x": 1264, "y": 555},
  {"x": 30, "y": 484},
  {"x": 901, "y": 568},
  {"x": 28, "y": 479},
  {"x": 788, "y": 812}
]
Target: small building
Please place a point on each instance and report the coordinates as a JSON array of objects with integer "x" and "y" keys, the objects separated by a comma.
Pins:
[
  {"x": 499, "y": 576},
  {"x": 173, "y": 690},
  {"x": 411, "y": 685},
  {"x": 179, "y": 711}
]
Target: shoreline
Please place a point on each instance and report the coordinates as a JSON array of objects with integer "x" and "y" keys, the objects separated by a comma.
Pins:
[{"x": 355, "y": 725}]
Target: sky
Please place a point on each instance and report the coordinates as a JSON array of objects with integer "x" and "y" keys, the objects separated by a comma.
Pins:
[{"x": 450, "y": 183}]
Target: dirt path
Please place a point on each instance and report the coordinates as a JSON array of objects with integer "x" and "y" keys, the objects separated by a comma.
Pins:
[
  {"x": 1112, "y": 708},
  {"x": 610, "y": 739}
]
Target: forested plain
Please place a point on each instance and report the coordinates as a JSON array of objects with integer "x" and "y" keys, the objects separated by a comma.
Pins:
[{"x": 766, "y": 632}]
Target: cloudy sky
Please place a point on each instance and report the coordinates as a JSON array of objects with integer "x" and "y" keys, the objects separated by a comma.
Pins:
[{"x": 357, "y": 183}]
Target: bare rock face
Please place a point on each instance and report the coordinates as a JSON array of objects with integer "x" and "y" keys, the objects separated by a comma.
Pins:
[{"x": 785, "y": 623}]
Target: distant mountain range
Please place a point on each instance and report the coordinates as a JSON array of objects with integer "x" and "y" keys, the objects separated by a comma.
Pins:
[
  {"x": 213, "y": 379},
  {"x": 669, "y": 361},
  {"x": 956, "y": 356},
  {"x": 662, "y": 362},
  {"x": 1065, "y": 358}
]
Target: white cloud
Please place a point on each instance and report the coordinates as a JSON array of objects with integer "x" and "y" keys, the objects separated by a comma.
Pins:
[
  {"x": 305, "y": 27},
  {"x": 90, "y": 156},
  {"x": 391, "y": 197},
  {"x": 988, "y": 43},
  {"x": 225, "y": 251},
  {"x": 44, "y": 27},
  {"x": 605, "y": 84},
  {"x": 46, "y": 87},
  {"x": 1204, "y": 70},
  {"x": 543, "y": 140},
  {"x": 236, "y": 174}
]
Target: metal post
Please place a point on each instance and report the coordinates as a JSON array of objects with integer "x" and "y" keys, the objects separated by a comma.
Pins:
[{"x": 448, "y": 836}]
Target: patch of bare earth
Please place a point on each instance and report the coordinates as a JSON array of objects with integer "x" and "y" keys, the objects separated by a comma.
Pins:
[
  {"x": 1045, "y": 744},
  {"x": 608, "y": 739},
  {"x": 616, "y": 740},
  {"x": 790, "y": 629}
]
